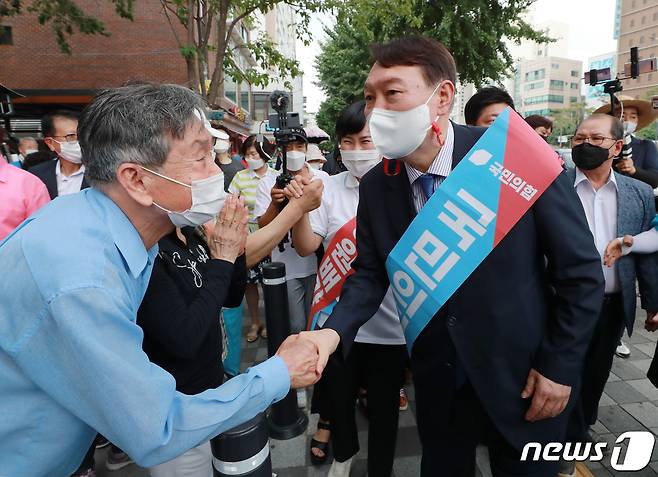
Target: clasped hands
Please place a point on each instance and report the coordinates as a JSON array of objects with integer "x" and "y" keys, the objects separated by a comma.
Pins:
[{"x": 306, "y": 355}]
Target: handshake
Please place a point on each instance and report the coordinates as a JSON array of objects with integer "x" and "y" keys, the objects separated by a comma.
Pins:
[{"x": 306, "y": 355}]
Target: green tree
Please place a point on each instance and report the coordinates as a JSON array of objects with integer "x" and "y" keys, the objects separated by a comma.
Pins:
[
  {"x": 566, "y": 120},
  {"x": 651, "y": 131},
  {"x": 473, "y": 30}
]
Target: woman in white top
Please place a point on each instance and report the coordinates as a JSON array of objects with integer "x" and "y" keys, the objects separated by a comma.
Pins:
[{"x": 378, "y": 357}]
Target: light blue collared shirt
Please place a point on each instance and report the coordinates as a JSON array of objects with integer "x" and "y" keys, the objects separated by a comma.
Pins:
[{"x": 71, "y": 359}]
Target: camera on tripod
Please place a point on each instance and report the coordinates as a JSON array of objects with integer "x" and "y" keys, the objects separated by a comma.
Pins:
[{"x": 286, "y": 131}]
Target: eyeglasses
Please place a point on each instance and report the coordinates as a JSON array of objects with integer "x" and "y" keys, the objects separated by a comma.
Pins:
[
  {"x": 68, "y": 138},
  {"x": 593, "y": 140}
]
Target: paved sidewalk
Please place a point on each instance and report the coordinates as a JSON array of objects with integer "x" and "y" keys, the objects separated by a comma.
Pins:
[{"x": 630, "y": 403}]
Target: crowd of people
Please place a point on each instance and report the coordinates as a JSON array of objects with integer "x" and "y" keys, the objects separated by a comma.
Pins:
[{"x": 132, "y": 233}]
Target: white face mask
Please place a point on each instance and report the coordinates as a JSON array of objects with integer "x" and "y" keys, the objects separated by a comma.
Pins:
[
  {"x": 208, "y": 198},
  {"x": 359, "y": 162},
  {"x": 221, "y": 146},
  {"x": 295, "y": 160},
  {"x": 397, "y": 134},
  {"x": 629, "y": 127},
  {"x": 317, "y": 165},
  {"x": 70, "y": 151},
  {"x": 255, "y": 164}
]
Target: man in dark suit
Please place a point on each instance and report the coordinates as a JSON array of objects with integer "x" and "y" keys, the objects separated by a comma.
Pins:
[
  {"x": 65, "y": 175},
  {"x": 615, "y": 205},
  {"x": 502, "y": 359}
]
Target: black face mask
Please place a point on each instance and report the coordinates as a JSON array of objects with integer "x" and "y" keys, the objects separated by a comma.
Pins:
[{"x": 588, "y": 157}]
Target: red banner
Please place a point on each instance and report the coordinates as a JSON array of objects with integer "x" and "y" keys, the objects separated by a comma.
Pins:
[{"x": 335, "y": 267}]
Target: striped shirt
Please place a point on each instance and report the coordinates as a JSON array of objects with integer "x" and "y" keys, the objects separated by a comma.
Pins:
[
  {"x": 440, "y": 167},
  {"x": 245, "y": 184}
]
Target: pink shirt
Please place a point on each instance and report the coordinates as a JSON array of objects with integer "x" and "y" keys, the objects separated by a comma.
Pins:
[{"x": 21, "y": 193}]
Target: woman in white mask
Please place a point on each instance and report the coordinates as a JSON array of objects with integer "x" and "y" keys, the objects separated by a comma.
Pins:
[
  {"x": 378, "y": 358},
  {"x": 256, "y": 151}
]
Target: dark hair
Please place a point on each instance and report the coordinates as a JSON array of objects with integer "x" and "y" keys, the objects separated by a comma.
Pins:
[
  {"x": 616, "y": 126},
  {"x": 416, "y": 50},
  {"x": 483, "y": 98},
  {"x": 537, "y": 120},
  {"x": 351, "y": 120},
  {"x": 48, "y": 121},
  {"x": 265, "y": 148}
]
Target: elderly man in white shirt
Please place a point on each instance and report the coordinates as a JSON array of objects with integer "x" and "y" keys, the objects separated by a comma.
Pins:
[{"x": 615, "y": 205}]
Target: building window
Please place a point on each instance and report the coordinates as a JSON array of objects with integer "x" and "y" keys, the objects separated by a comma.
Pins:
[
  {"x": 557, "y": 84},
  {"x": 633, "y": 4},
  {"x": 643, "y": 20},
  {"x": 575, "y": 74},
  {"x": 530, "y": 86},
  {"x": 244, "y": 96},
  {"x": 573, "y": 99},
  {"x": 230, "y": 89},
  {"x": 655, "y": 16},
  {"x": 6, "y": 37},
  {"x": 555, "y": 66},
  {"x": 261, "y": 106},
  {"x": 535, "y": 75},
  {"x": 554, "y": 98},
  {"x": 574, "y": 85},
  {"x": 632, "y": 23},
  {"x": 630, "y": 42},
  {"x": 650, "y": 77}
]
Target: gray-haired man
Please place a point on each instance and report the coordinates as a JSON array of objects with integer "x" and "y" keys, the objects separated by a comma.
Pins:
[{"x": 70, "y": 352}]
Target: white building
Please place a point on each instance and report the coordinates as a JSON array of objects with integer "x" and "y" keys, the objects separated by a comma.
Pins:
[{"x": 279, "y": 24}]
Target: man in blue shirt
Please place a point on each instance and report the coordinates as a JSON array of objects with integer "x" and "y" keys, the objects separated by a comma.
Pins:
[{"x": 71, "y": 359}]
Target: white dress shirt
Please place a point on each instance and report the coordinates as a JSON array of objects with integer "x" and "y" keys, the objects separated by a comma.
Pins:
[
  {"x": 441, "y": 167},
  {"x": 601, "y": 211},
  {"x": 68, "y": 184}
]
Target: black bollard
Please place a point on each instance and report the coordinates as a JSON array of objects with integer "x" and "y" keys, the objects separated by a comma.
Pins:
[
  {"x": 243, "y": 450},
  {"x": 285, "y": 419}
]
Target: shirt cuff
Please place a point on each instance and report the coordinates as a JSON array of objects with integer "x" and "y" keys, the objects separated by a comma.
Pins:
[{"x": 276, "y": 376}]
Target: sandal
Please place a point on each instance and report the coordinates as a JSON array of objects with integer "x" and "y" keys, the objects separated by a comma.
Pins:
[
  {"x": 253, "y": 333},
  {"x": 262, "y": 332},
  {"x": 322, "y": 446}
]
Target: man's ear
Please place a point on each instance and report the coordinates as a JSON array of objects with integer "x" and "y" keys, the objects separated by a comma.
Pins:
[
  {"x": 444, "y": 98},
  {"x": 50, "y": 142},
  {"x": 616, "y": 150},
  {"x": 135, "y": 182}
]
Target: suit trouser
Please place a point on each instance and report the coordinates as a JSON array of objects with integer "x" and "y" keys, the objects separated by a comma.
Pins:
[
  {"x": 300, "y": 297},
  {"x": 452, "y": 421},
  {"x": 597, "y": 366},
  {"x": 380, "y": 370}
]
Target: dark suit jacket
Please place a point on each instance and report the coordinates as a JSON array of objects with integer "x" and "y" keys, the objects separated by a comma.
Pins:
[
  {"x": 46, "y": 172},
  {"x": 635, "y": 211},
  {"x": 645, "y": 159},
  {"x": 532, "y": 303}
]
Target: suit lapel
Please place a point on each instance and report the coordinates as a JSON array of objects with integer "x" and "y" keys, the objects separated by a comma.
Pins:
[
  {"x": 51, "y": 180},
  {"x": 399, "y": 201}
]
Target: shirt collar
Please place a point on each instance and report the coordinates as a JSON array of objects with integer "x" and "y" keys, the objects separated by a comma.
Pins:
[
  {"x": 351, "y": 182},
  {"x": 123, "y": 233},
  {"x": 442, "y": 163},
  {"x": 580, "y": 177},
  {"x": 58, "y": 170}
]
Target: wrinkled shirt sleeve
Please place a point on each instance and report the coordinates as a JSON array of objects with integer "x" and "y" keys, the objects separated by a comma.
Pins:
[{"x": 86, "y": 353}]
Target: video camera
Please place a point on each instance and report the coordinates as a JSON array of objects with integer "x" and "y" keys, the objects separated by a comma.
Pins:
[
  {"x": 284, "y": 124},
  {"x": 611, "y": 86}
]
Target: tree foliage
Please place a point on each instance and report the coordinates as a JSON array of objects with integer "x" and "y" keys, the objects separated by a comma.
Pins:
[{"x": 473, "y": 30}]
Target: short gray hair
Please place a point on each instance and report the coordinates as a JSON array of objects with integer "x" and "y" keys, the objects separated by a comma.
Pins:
[
  {"x": 25, "y": 140},
  {"x": 134, "y": 123},
  {"x": 616, "y": 126}
]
